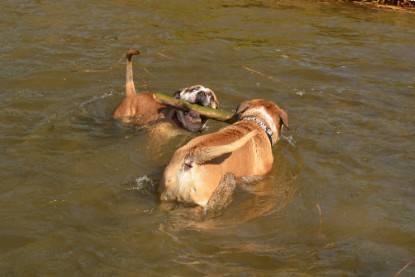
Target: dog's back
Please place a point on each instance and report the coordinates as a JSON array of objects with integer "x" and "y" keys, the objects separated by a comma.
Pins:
[
  {"x": 140, "y": 109},
  {"x": 197, "y": 168}
]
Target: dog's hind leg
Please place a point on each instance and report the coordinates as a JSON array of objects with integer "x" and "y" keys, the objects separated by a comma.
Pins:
[
  {"x": 129, "y": 82},
  {"x": 221, "y": 197}
]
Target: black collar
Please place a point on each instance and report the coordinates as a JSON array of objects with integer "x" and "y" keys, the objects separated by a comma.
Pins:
[{"x": 264, "y": 127}]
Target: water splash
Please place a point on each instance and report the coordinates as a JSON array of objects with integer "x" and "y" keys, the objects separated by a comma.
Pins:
[
  {"x": 143, "y": 182},
  {"x": 96, "y": 98},
  {"x": 288, "y": 139}
]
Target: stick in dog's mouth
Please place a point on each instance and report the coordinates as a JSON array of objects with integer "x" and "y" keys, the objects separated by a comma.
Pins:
[{"x": 204, "y": 112}]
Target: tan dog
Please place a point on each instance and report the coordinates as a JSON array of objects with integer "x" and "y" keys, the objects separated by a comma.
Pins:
[
  {"x": 142, "y": 109},
  {"x": 208, "y": 164}
]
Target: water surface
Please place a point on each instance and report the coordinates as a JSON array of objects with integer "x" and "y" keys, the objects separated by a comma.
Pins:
[{"x": 77, "y": 190}]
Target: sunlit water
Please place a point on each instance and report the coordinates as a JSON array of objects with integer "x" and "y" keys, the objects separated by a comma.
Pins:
[{"x": 78, "y": 190}]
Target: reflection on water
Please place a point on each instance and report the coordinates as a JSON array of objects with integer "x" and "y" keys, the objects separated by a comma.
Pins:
[{"x": 78, "y": 190}]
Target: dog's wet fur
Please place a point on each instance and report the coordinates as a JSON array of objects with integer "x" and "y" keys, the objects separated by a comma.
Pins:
[
  {"x": 200, "y": 171},
  {"x": 142, "y": 109}
]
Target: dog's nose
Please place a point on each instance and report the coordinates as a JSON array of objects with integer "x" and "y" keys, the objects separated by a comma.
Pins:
[{"x": 203, "y": 99}]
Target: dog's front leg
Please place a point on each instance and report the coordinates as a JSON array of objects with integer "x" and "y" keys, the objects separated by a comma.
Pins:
[{"x": 221, "y": 197}]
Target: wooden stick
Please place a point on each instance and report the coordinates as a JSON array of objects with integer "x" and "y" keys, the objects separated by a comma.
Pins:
[
  {"x": 263, "y": 74},
  {"x": 219, "y": 114},
  {"x": 403, "y": 268}
]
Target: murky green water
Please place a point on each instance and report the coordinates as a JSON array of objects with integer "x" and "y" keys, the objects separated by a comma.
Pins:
[{"x": 77, "y": 189}]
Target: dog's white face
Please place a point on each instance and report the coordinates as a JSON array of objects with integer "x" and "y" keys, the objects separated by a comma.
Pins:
[{"x": 200, "y": 95}]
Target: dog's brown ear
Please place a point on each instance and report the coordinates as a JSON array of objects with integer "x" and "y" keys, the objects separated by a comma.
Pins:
[
  {"x": 215, "y": 100},
  {"x": 243, "y": 107},
  {"x": 284, "y": 117}
]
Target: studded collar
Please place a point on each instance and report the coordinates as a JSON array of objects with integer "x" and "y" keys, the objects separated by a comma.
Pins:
[{"x": 264, "y": 127}]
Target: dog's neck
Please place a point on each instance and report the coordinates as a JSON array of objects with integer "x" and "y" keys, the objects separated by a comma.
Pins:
[{"x": 264, "y": 127}]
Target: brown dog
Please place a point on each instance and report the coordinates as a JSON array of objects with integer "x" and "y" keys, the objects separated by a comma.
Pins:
[
  {"x": 142, "y": 109},
  {"x": 208, "y": 164}
]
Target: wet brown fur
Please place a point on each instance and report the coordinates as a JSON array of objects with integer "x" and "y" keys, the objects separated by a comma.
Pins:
[
  {"x": 142, "y": 109},
  {"x": 192, "y": 176}
]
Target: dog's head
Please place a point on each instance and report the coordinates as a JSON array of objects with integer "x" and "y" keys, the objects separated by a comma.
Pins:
[
  {"x": 200, "y": 95},
  {"x": 268, "y": 112}
]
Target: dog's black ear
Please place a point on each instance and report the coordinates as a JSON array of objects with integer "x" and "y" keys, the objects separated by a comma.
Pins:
[{"x": 177, "y": 94}]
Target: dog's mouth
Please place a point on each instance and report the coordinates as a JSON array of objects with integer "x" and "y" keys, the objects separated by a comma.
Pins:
[{"x": 191, "y": 120}]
